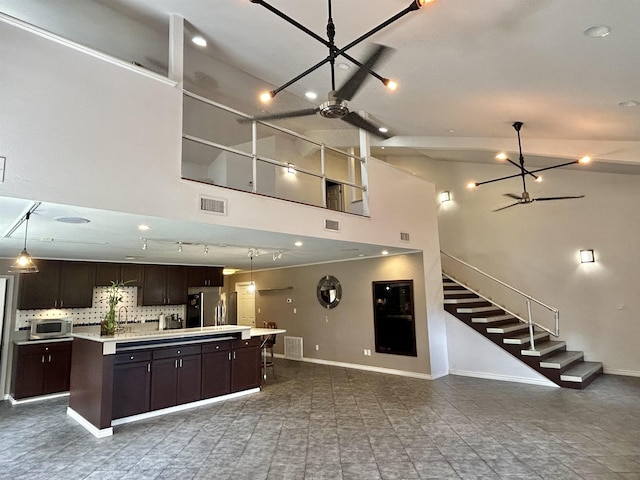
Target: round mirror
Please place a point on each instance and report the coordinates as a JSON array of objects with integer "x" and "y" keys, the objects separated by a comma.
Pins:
[{"x": 329, "y": 291}]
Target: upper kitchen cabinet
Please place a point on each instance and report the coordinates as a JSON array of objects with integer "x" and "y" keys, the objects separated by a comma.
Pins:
[
  {"x": 131, "y": 273},
  {"x": 204, "y": 277},
  {"x": 58, "y": 285},
  {"x": 164, "y": 285}
]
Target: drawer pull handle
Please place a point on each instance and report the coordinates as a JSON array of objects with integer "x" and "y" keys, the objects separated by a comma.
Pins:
[{"x": 131, "y": 357}]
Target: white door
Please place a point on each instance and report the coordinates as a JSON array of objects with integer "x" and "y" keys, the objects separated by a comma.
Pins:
[{"x": 246, "y": 305}]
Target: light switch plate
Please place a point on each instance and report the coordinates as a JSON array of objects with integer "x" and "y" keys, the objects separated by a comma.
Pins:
[{"x": 3, "y": 162}]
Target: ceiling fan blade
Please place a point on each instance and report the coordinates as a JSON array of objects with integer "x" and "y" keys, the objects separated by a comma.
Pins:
[
  {"x": 513, "y": 195},
  {"x": 353, "y": 84},
  {"x": 275, "y": 116},
  {"x": 356, "y": 120},
  {"x": 508, "y": 206},
  {"x": 542, "y": 199}
]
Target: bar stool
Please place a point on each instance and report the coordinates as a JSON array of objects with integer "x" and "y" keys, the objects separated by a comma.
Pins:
[{"x": 268, "y": 343}]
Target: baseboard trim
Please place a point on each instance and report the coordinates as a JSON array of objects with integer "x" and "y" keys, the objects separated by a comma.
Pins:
[
  {"x": 503, "y": 378},
  {"x": 180, "y": 408},
  {"x": 357, "y": 366},
  {"x": 617, "y": 371},
  {"x": 40, "y": 398},
  {"x": 91, "y": 428}
]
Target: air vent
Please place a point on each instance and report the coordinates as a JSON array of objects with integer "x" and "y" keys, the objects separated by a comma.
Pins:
[
  {"x": 293, "y": 348},
  {"x": 213, "y": 205},
  {"x": 332, "y": 225},
  {"x": 404, "y": 236}
]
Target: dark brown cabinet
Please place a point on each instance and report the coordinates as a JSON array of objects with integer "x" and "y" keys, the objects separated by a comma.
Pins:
[
  {"x": 204, "y": 277},
  {"x": 176, "y": 374},
  {"x": 41, "y": 369},
  {"x": 131, "y": 383},
  {"x": 216, "y": 369},
  {"x": 164, "y": 285},
  {"x": 245, "y": 364},
  {"x": 59, "y": 284},
  {"x": 129, "y": 273}
]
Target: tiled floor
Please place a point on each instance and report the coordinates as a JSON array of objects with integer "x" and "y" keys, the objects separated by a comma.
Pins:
[{"x": 320, "y": 422}]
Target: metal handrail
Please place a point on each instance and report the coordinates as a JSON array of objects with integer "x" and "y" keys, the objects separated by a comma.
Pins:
[{"x": 529, "y": 299}]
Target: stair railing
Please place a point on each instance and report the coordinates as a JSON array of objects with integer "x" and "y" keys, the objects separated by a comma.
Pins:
[{"x": 528, "y": 299}]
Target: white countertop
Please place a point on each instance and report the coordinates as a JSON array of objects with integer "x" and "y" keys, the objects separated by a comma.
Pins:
[
  {"x": 165, "y": 334},
  {"x": 260, "y": 332}
]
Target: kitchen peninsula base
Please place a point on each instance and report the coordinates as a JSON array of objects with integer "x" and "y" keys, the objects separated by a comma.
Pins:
[{"x": 128, "y": 377}]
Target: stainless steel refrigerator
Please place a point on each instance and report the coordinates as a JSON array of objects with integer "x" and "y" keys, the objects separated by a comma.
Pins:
[{"x": 205, "y": 307}]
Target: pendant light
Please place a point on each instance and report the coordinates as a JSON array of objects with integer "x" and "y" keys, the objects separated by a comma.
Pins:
[
  {"x": 252, "y": 286},
  {"x": 24, "y": 263}
]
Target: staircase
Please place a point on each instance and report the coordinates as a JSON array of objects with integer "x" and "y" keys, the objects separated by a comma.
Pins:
[{"x": 549, "y": 357}]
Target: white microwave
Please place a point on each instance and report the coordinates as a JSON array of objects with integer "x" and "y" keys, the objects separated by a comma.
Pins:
[{"x": 42, "y": 328}]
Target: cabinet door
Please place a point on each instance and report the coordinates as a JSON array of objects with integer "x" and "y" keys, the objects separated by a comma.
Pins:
[
  {"x": 76, "y": 285},
  {"x": 216, "y": 373},
  {"x": 57, "y": 367},
  {"x": 164, "y": 383},
  {"x": 40, "y": 290},
  {"x": 131, "y": 389},
  {"x": 132, "y": 274},
  {"x": 176, "y": 288},
  {"x": 107, "y": 273},
  {"x": 29, "y": 372},
  {"x": 245, "y": 368},
  {"x": 189, "y": 379},
  {"x": 215, "y": 277},
  {"x": 155, "y": 280},
  {"x": 196, "y": 276}
]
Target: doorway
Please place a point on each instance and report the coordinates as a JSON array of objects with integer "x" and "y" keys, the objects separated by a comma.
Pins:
[
  {"x": 335, "y": 197},
  {"x": 4, "y": 339},
  {"x": 246, "y": 304}
]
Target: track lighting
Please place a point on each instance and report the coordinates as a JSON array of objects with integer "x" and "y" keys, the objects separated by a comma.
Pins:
[
  {"x": 24, "y": 263},
  {"x": 180, "y": 247},
  {"x": 277, "y": 255},
  {"x": 206, "y": 249},
  {"x": 144, "y": 243}
]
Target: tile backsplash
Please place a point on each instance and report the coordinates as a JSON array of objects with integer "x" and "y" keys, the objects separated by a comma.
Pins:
[{"x": 92, "y": 316}]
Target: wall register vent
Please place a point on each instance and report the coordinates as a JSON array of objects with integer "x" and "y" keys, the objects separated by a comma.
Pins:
[
  {"x": 404, "y": 236},
  {"x": 213, "y": 205},
  {"x": 293, "y": 348},
  {"x": 332, "y": 225}
]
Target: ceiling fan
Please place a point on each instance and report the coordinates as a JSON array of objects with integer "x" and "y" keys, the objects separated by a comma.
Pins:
[
  {"x": 525, "y": 197},
  {"x": 336, "y": 104}
]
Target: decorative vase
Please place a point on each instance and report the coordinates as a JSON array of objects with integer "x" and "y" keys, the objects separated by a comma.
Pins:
[{"x": 108, "y": 325}]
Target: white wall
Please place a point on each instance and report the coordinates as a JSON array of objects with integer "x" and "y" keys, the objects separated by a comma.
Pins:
[
  {"x": 535, "y": 247},
  {"x": 83, "y": 131}
]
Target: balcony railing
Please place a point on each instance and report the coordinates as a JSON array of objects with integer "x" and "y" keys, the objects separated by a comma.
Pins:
[{"x": 262, "y": 158}]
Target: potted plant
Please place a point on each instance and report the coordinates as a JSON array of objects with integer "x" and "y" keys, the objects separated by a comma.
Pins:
[{"x": 114, "y": 296}]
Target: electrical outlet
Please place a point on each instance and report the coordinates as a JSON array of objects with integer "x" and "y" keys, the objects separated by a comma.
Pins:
[
  {"x": 365, "y": 352},
  {"x": 317, "y": 347},
  {"x": 326, "y": 319}
]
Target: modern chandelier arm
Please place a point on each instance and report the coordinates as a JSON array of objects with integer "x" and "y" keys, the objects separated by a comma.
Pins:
[
  {"x": 477, "y": 184},
  {"x": 529, "y": 172},
  {"x": 521, "y": 167}
]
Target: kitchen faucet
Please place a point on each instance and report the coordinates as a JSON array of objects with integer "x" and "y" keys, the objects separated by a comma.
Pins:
[{"x": 126, "y": 315}]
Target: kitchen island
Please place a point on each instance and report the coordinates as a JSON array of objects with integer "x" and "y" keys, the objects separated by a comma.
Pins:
[{"x": 126, "y": 377}]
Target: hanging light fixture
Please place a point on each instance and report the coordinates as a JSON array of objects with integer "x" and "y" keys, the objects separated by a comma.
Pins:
[
  {"x": 24, "y": 263},
  {"x": 252, "y": 286}
]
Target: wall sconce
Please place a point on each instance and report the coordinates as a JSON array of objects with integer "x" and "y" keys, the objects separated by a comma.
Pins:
[
  {"x": 445, "y": 196},
  {"x": 291, "y": 168},
  {"x": 587, "y": 256}
]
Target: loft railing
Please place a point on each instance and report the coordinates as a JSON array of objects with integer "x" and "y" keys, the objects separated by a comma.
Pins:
[
  {"x": 498, "y": 292},
  {"x": 259, "y": 157}
]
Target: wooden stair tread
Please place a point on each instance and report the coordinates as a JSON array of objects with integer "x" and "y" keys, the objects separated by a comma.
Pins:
[
  {"x": 544, "y": 348},
  {"x": 562, "y": 359},
  {"x": 581, "y": 372}
]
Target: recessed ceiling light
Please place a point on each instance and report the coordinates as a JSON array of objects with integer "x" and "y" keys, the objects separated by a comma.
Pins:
[
  {"x": 343, "y": 66},
  {"x": 229, "y": 271},
  {"x": 298, "y": 243},
  {"x": 385, "y": 252},
  {"x": 143, "y": 227},
  {"x": 629, "y": 103},
  {"x": 597, "y": 31},
  {"x": 451, "y": 130},
  {"x": 76, "y": 220},
  {"x": 199, "y": 40},
  {"x": 383, "y": 129},
  {"x": 311, "y": 95}
]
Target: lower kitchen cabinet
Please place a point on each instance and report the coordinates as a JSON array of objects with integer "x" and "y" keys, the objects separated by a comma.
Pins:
[
  {"x": 131, "y": 384},
  {"x": 41, "y": 369},
  {"x": 245, "y": 364},
  {"x": 216, "y": 369},
  {"x": 175, "y": 376}
]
